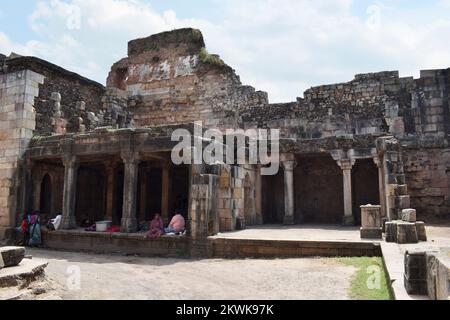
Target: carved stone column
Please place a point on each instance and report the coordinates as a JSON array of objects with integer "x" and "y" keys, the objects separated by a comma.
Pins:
[
  {"x": 346, "y": 166},
  {"x": 289, "y": 206},
  {"x": 131, "y": 166},
  {"x": 70, "y": 192}
]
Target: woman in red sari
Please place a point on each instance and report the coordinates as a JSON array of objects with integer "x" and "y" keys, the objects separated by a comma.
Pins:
[{"x": 156, "y": 227}]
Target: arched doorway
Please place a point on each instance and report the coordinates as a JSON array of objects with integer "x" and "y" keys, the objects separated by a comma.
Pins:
[
  {"x": 45, "y": 206},
  {"x": 365, "y": 186}
]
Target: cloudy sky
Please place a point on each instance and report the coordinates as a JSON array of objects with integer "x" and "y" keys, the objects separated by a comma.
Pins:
[{"x": 280, "y": 46}]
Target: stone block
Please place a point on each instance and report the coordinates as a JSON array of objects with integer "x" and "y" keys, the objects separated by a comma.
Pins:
[
  {"x": 11, "y": 256},
  {"x": 406, "y": 232},
  {"x": 403, "y": 202},
  {"x": 370, "y": 216},
  {"x": 371, "y": 233},
  {"x": 416, "y": 272},
  {"x": 421, "y": 231},
  {"x": 391, "y": 231},
  {"x": 409, "y": 215},
  {"x": 238, "y": 193}
]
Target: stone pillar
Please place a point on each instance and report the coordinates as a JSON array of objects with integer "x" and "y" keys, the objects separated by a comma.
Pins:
[
  {"x": 289, "y": 206},
  {"x": 346, "y": 166},
  {"x": 258, "y": 196},
  {"x": 381, "y": 185},
  {"x": 110, "y": 170},
  {"x": 25, "y": 187},
  {"x": 131, "y": 165},
  {"x": 165, "y": 193},
  {"x": 70, "y": 192}
]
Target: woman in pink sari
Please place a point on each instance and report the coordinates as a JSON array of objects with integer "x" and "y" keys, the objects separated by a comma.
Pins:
[{"x": 156, "y": 227}]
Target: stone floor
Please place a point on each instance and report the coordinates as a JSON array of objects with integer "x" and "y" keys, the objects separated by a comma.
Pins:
[
  {"x": 297, "y": 232},
  {"x": 437, "y": 235},
  {"x": 122, "y": 277}
]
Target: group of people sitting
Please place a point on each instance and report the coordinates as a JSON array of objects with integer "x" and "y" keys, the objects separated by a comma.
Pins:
[{"x": 176, "y": 226}]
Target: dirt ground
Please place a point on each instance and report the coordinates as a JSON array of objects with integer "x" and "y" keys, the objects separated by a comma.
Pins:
[{"x": 127, "y": 277}]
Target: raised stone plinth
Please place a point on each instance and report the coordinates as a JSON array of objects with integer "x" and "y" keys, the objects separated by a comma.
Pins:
[
  {"x": 391, "y": 231},
  {"x": 421, "y": 231},
  {"x": 11, "y": 256},
  {"x": 416, "y": 272},
  {"x": 371, "y": 222},
  {"x": 406, "y": 232}
]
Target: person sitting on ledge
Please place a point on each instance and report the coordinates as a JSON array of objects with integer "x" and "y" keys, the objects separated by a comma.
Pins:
[
  {"x": 156, "y": 227},
  {"x": 176, "y": 225}
]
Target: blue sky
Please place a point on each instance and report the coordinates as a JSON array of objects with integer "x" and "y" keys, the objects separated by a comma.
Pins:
[{"x": 279, "y": 46}]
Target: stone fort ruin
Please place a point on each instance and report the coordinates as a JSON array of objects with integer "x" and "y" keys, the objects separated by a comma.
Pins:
[{"x": 70, "y": 145}]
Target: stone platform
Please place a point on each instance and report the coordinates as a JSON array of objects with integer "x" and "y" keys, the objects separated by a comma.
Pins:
[
  {"x": 271, "y": 241},
  {"x": 120, "y": 243},
  {"x": 27, "y": 271},
  {"x": 264, "y": 241}
]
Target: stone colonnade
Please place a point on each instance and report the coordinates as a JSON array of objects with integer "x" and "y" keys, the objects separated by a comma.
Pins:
[
  {"x": 346, "y": 161},
  {"x": 131, "y": 161}
]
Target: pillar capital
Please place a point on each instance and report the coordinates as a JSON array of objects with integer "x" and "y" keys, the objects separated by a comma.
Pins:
[
  {"x": 289, "y": 165},
  {"x": 346, "y": 164},
  {"x": 70, "y": 161},
  {"x": 130, "y": 157}
]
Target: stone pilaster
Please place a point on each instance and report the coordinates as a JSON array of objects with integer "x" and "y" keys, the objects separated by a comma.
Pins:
[
  {"x": 17, "y": 123},
  {"x": 258, "y": 195},
  {"x": 346, "y": 166},
  {"x": 131, "y": 165},
  {"x": 381, "y": 185},
  {"x": 70, "y": 192},
  {"x": 289, "y": 205}
]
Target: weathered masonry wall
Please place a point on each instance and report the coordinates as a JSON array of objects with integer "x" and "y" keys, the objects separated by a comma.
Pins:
[
  {"x": 18, "y": 91},
  {"x": 171, "y": 79},
  {"x": 76, "y": 97},
  {"x": 428, "y": 178}
]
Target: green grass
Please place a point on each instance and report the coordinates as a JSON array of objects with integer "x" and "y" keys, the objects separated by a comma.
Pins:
[
  {"x": 211, "y": 59},
  {"x": 359, "y": 289}
]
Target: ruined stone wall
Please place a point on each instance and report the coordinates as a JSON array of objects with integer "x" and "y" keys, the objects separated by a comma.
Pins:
[
  {"x": 427, "y": 173},
  {"x": 17, "y": 123},
  {"x": 78, "y": 96},
  {"x": 170, "y": 78}
]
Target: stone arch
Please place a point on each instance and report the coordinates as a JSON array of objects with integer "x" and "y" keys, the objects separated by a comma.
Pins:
[{"x": 45, "y": 197}]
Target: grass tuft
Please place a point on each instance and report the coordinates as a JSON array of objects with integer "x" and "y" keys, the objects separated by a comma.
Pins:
[
  {"x": 359, "y": 289},
  {"x": 211, "y": 59}
]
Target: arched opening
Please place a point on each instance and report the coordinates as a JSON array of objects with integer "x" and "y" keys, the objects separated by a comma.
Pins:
[
  {"x": 273, "y": 198},
  {"x": 45, "y": 206},
  {"x": 90, "y": 200},
  {"x": 365, "y": 186},
  {"x": 318, "y": 190}
]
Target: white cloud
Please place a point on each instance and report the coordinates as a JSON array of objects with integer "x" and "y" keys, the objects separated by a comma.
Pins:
[{"x": 282, "y": 46}]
